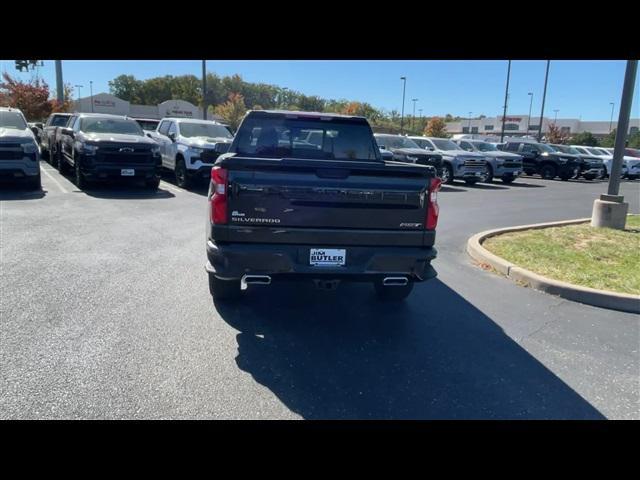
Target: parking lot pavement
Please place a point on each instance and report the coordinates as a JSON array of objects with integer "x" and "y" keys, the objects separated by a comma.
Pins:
[{"x": 106, "y": 314}]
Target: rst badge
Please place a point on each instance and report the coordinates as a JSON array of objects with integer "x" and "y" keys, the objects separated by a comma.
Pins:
[{"x": 327, "y": 257}]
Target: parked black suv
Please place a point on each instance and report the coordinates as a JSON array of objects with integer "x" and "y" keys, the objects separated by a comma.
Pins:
[
  {"x": 406, "y": 150},
  {"x": 592, "y": 167},
  {"x": 541, "y": 159},
  {"x": 102, "y": 147}
]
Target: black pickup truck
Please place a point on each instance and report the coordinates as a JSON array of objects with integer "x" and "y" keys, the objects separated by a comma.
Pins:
[
  {"x": 284, "y": 207},
  {"x": 541, "y": 159},
  {"x": 50, "y": 135}
]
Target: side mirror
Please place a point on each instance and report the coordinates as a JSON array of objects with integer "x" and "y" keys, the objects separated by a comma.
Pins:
[
  {"x": 149, "y": 135},
  {"x": 172, "y": 136},
  {"x": 67, "y": 131},
  {"x": 35, "y": 131},
  {"x": 221, "y": 148},
  {"x": 382, "y": 147}
]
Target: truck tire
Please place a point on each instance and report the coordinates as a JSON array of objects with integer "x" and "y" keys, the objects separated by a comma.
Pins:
[
  {"x": 80, "y": 181},
  {"x": 223, "y": 289},
  {"x": 61, "y": 162},
  {"x": 548, "y": 171},
  {"x": 35, "y": 183},
  {"x": 489, "y": 177},
  {"x": 447, "y": 174},
  {"x": 392, "y": 293},
  {"x": 153, "y": 184},
  {"x": 182, "y": 176}
]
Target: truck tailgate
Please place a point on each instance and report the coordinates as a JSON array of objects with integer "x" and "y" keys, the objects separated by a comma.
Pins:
[{"x": 317, "y": 194}]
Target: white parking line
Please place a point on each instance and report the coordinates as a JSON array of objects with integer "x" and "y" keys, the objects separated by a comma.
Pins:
[
  {"x": 168, "y": 186},
  {"x": 54, "y": 180}
]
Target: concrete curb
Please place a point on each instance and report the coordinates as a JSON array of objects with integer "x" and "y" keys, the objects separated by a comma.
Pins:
[{"x": 590, "y": 296}]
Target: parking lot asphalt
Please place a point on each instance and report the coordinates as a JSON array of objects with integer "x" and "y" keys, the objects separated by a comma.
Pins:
[{"x": 106, "y": 314}]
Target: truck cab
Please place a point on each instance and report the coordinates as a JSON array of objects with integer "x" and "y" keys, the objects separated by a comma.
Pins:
[
  {"x": 189, "y": 148},
  {"x": 49, "y": 135},
  {"x": 19, "y": 151},
  {"x": 591, "y": 167},
  {"x": 541, "y": 159}
]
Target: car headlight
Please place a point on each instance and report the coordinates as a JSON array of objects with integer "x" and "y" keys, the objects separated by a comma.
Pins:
[
  {"x": 155, "y": 150},
  {"x": 196, "y": 150},
  {"x": 88, "y": 149},
  {"x": 412, "y": 158},
  {"x": 30, "y": 147}
]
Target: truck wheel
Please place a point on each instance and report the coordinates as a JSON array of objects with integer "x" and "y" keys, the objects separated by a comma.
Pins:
[
  {"x": 35, "y": 183},
  {"x": 508, "y": 180},
  {"x": 223, "y": 289},
  {"x": 81, "y": 182},
  {"x": 61, "y": 162},
  {"x": 153, "y": 184},
  {"x": 447, "y": 174},
  {"x": 489, "y": 175},
  {"x": 182, "y": 176},
  {"x": 392, "y": 293},
  {"x": 548, "y": 172}
]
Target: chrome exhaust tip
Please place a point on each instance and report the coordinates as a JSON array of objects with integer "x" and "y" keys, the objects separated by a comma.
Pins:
[
  {"x": 254, "y": 280},
  {"x": 395, "y": 281}
]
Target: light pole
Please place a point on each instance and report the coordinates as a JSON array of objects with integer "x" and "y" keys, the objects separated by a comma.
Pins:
[
  {"x": 404, "y": 87},
  {"x": 555, "y": 118},
  {"x": 78, "y": 87},
  {"x": 91, "y": 93},
  {"x": 544, "y": 97},
  {"x": 506, "y": 98},
  {"x": 611, "y": 121},
  {"x": 470, "y": 121},
  {"x": 204, "y": 89},
  {"x": 59, "y": 86},
  {"x": 414, "y": 100},
  {"x": 530, "y": 105}
]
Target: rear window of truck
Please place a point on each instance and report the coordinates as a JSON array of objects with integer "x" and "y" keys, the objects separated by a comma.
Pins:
[
  {"x": 60, "y": 120},
  {"x": 280, "y": 137}
]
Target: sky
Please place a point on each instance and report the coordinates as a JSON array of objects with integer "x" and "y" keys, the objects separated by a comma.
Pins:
[{"x": 577, "y": 89}]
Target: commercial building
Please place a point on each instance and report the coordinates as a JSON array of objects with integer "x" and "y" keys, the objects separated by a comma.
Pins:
[
  {"x": 107, "y": 103},
  {"x": 519, "y": 125}
]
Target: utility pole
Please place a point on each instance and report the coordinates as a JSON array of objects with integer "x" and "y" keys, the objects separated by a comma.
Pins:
[
  {"x": 506, "y": 97},
  {"x": 78, "y": 97},
  {"x": 544, "y": 97},
  {"x": 611, "y": 210},
  {"x": 611, "y": 120},
  {"x": 204, "y": 89},
  {"x": 91, "y": 93},
  {"x": 555, "y": 118},
  {"x": 414, "y": 100},
  {"x": 530, "y": 105},
  {"x": 404, "y": 79},
  {"x": 59, "y": 85},
  {"x": 470, "y": 121}
]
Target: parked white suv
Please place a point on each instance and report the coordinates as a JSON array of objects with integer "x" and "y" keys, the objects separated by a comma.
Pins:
[
  {"x": 190, "y": 147},
  {"x": 19, "y": 150},
  {"x": 607, "y": 158}
]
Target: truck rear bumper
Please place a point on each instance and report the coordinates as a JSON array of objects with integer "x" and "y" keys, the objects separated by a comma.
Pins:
[{"x": 232, "y": 261}]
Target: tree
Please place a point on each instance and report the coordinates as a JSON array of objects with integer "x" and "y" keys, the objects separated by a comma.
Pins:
[
  {"x": 586, "y": 138},
  {"x": 31, "y": 97},
  {"x": 436, "y": 127},
  {"x": 556, "y": 135},
  {"x": 610, "y": 140},
  {"x": 66, "y": 105},
  {"x": 634, "y": 140},
  {"x": 233, "y": 110},
  {"x": 127, "y": 88}
]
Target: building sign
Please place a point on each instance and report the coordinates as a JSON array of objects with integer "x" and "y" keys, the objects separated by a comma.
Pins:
[
  {"x": 104, "y": 103},
  {"x": 174, "y": 112},
  {"x": 510, "y": 119}
]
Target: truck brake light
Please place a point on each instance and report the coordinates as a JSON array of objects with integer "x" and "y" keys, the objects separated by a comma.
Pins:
[
  {"x": 219, "y": 188},
  {"x": 433, "y": 209}
]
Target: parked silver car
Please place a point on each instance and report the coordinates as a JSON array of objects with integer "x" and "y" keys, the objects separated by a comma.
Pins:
[
  {"x": 19, "y": 150},
  {"x": 504, "y": 165}
]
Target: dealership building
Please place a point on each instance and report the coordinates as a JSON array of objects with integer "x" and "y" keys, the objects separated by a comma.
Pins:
[
  {"x": 107, "y": 103},
  {"x": 519, "y": 125}
]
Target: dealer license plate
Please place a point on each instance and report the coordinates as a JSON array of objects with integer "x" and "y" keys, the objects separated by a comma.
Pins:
[
  {"x": 127, "y": 172},
  {"x": 327, "y": 257}
]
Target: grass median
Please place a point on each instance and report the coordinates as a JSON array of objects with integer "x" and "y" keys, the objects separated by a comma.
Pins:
[{"x": 600, "y": 258}]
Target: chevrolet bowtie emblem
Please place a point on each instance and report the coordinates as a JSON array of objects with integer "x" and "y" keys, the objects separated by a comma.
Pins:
[{"x": 126, "y": 150}]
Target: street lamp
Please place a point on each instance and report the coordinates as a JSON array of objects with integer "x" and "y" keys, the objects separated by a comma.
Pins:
[
  {"x": 91, "y": 93},
  {"x": 530, "y": 105},
  {"x": 78, "y": 87},
  {"x": 404, "y": 87},
  {"x": 470, "y": 121},
  {"x": 414, "y": 100},
  {"x": 611, "y": 121},
  {"x": 555, "y": 118}
]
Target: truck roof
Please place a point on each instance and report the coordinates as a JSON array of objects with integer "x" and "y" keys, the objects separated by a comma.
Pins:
[
  {"x": 299, "y": 113},
  {"x": 188, "y": 120}
]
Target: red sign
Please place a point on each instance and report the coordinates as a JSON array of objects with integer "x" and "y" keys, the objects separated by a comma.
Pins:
[
  {"x": 512, "y": 119},
  {"x": 103, "y": 103}
]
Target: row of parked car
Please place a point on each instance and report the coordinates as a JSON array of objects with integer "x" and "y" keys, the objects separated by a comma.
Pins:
[{"x": 93, "y": 147}]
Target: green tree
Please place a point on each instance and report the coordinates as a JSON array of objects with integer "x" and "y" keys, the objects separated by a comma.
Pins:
[
  {"x": 585, "y": 138},
  {"x": 634, "y": 140},
  {"x": 126, "y": 87},
  {"x": 610, "y": 140},
  {"x": 233, "y": 110}
]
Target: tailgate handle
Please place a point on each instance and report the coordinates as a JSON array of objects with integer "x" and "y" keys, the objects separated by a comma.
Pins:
[{"x": 332, "y": 172}]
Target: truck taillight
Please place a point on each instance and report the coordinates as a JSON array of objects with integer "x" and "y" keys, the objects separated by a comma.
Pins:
[
  {"x": 219, "y": 187},
  {"x": 433, "y": 209}
]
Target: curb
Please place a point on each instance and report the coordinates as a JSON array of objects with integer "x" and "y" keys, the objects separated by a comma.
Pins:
[{"x": 590, "y": 296}]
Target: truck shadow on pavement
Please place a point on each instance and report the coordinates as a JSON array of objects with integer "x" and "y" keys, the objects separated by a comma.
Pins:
[
  {"x": 345, "y": 355},
  {"x": 125, "y": 192},
  {"x": 16, "y": 193}
]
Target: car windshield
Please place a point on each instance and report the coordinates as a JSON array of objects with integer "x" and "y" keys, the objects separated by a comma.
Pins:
[
  {"x": 110, "y": 125},
  {"x": 443, "y": 144},
  {"x": 280, "y": 137},
  {"x": 485, "y": 147},
  {"x": 60, "y": 120},
  {"x": 594, "y": 151},
  {"x": 204, "y": 130},
  {"x": 566, "y": 149},
  {"x": 545, "y": 148},
  {"x": 12, "y": 120},
  {"x": 396, "y": 141},
  {"x": 147, "y": 124}
]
